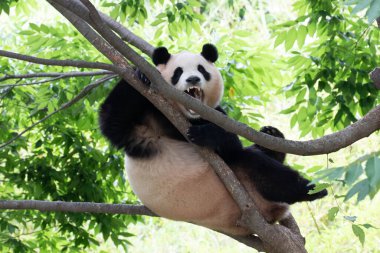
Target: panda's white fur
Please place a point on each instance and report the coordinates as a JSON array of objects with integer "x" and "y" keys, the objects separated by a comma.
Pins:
[
  {"x": 177, "y": 189},
  {"x": 167, "y": 173},
  {"x": 212, "y": 89}
]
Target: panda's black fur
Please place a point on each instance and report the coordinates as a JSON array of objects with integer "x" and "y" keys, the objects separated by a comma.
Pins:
[{"x": 166, "y": 172}]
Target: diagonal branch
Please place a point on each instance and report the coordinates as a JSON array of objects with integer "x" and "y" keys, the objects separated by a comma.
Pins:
[
  {"x": 127, "y": 73},
  {"x": 63, "y": 63},
  {"x": 254, "y": 220},
  {"x": 78, "y": 97}
]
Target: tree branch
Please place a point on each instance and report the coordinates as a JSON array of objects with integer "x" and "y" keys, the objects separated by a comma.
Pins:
[
  {"x": 324, "y": 145},
  {"x": 75, "y": 207},
  {"x": 40, "y": 82},
  {"x": 78, "y": 97},
  {"x": 128, "y": 74},
  {"x": 255, "y": 220},
  {"x": 63, "y": 63},
  {"x": 327, "y": 144},
  {"x": 58, "y": 74},
  {"x": 375, "y": 77}
]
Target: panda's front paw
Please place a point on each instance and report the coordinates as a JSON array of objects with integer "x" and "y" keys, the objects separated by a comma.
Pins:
[
  {"x": 142, "y": 77},
  {"x": 272, "y": 131},
  {"x": 200, "y": 134}
]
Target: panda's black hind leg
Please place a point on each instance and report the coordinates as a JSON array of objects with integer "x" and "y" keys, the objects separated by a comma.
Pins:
[
  {"x": 279, "y": 156},
  {"x": 275, "y": 181}
]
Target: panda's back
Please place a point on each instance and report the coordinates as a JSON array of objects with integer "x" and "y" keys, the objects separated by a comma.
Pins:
[{"x": 178, "y": 184}]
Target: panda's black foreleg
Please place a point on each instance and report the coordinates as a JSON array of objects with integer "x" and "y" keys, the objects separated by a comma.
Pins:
[
  {"x": 275, "y": 181},
  {"x": 121, "y": 112},
  {"x": 279, "y": 156},
  {"x": 225, "y": 144},
  {"x": 204, "y": 133}
]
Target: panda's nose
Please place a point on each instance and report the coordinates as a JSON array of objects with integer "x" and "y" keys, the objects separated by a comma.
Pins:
[{"x": 193, "y": 80}]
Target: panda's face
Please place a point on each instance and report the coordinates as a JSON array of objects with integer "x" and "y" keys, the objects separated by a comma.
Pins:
[{"x": 196, "y": 76}]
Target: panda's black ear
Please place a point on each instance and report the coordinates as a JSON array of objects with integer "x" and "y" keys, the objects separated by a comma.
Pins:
[
  {"x": 160, "y": 55},
  {"x": 209, "y": 52}
]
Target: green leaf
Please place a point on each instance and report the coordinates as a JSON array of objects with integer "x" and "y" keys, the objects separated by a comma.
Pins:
[
  {"x": 353, "y": 173},
  {"x": 372, "y": 170},
  {"x": 293, "y": 120},
  {"x": 301, "y": 95},
  {"x": 361, "y": 188},
  {"x": 362, "y": 4},
  {"x": 332, "y": 213},
  {"x": 301, "y": 36},
  {"x": 367, "y": 225},
  {"x": 373, "y": 11},
  {"x": 358, "y": 231},
  {"x": 242, "y": 33},
  {"x": 280, "y": 39},
  {"x": 290, "y": 38}
]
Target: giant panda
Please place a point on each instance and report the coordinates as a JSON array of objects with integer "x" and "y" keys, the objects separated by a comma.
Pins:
[{"x": 166, "y": 172}]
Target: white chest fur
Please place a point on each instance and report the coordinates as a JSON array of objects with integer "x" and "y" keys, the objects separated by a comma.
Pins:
[{"x": 178, "y": 184}]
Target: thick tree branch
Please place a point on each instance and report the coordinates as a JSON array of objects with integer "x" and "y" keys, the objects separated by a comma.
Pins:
[
  {"x": 76, "y": 207},
  {"x": 91, "y": 207},
  {"x": 78, "y": 97},
  {"x": 57, "y": 74},
  {"x": 63, "y": 63},
  {"x": 375, "y": 76}
]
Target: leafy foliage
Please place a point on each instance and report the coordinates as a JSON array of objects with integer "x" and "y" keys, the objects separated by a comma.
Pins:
[
  {"x": 331, "y": 86},
  {"x": 328, "y": 54}
]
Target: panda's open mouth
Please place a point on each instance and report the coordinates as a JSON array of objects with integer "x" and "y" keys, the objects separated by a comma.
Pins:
[{"x": 196, "y": 93}]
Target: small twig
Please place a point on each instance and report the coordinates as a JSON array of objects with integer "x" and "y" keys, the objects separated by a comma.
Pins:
[
  {"x": 313, "y": 217},
  {"x": 78, "y": 97},
  {"x": 32, "y": 83},
  {"x": 38, "y": 82},
  {"x": 63, "y": 63},
  {"x": 56, "y": 74}
]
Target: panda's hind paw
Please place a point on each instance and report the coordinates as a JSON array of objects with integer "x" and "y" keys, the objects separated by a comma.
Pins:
[{"x": 142, "y": 77}]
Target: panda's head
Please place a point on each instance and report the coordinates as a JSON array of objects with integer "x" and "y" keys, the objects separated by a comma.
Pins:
[{"x": 194, "y": 74}]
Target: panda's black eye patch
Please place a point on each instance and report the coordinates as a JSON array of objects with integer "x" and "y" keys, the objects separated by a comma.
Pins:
[
  {"x": 204, "y": 72},
  {"x": 176, "y": 75}
]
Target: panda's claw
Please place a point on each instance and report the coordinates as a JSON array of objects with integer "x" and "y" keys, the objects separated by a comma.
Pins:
[
  {"x": 203, "y": 135},
  {"x": 142, "y": 77},
  {"x": 195, "y": 134}
]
